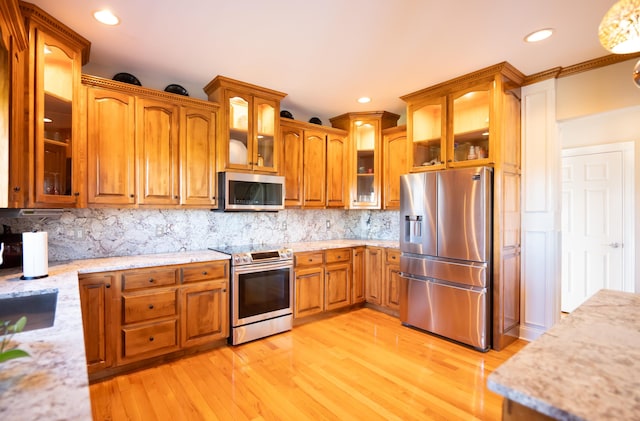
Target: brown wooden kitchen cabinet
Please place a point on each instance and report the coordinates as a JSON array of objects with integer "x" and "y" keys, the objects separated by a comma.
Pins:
[
  {"x": 97, "y": 319},
  {"x": 157, "y": 152},
  {"x": 337, "y": 168},
  {"x": 309, "y": 284},
  {"x": 337, "y": 278},
  {"x": 14, "y": 45},
  {"x": 314, "y": 165},
  {"x": 474, "y": 120},
  {"x": 358, "y": 262},
  {"x": 314, "y": 173},
  {"x": 374, "y": 273},
  {"x": 394, "y": 164},
  {"x": 248, "y": 135},
  {"x": 198, "y": 178},
  {"x": 204, "y": 300},
  {"x": 55, "y": 166},
  {"x": 391, "y": 294},
  {"x": 131, "y": 316},
  {"x": 149, "y": 314},
  {"x": 148, "y": 147},
  {"x": 365, "y": 133},
  {"x": 110, "y": 147}
]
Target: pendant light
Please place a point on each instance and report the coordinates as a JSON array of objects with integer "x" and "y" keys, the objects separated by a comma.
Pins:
[{"x": 619, "y": 31}]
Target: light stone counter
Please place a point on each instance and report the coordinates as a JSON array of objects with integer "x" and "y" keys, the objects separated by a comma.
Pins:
[
  {"x": 332, "y": 244},
  {"x": 586, "y": 367},
  {"x": 53, "y": 383}
]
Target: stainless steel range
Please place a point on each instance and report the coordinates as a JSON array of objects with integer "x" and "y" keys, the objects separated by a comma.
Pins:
[{"x": 261, "y": 291}]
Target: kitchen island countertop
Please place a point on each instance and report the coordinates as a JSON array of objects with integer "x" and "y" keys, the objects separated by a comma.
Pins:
[
  {"x": 53, "y": 382},
  {"x": 586, "y": 367}
]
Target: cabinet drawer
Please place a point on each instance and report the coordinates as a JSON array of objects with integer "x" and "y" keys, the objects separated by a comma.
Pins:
[
  {"x": 393, "y": 256},
  {"x": 148, "y": 279},
  {"x": 314, "y": 258},
  {"x": 206, "y": 271},
  {"x": 136, "y": 308},
  {"x": 338, "y": 255},
  {"x": 148, "y": 338}
]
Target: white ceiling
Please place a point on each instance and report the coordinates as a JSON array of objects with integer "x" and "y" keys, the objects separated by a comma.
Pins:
[{"x": 324, "y": 54}]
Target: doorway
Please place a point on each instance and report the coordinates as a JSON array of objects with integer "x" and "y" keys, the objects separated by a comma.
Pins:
[{"x": 597, "y": 221}]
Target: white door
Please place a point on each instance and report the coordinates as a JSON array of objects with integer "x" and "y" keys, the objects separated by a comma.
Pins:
[{"x": 592, "y": 226}]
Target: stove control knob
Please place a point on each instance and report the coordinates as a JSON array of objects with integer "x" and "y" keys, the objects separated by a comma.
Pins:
[
  {"x": 237, "y": 259},
  {"x": 246, "y": 258}
]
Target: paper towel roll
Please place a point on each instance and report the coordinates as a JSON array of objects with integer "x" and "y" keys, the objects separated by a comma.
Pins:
[{"x": 35, "y": 255}]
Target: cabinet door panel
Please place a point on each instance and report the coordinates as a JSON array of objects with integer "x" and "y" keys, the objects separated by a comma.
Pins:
[
  {"x": 292, "y": 165},
  {"x": 395, "y": 164},
  {"x": 338, "y": 286},
  {"x": 373, "y": 280},
  {"x": 359, "y": 272},
  {"x": 157, "y": 150},
  {"x": 309, "y": 292},
  {"x": 314, "y": 169},
  {"x": 337, "y": 156},
  {"x": 205, "y": 309},
  {"x": 95, "y": 301},
  {"x": 110, "y": 147},
  {"x": 197, "y": 146}
]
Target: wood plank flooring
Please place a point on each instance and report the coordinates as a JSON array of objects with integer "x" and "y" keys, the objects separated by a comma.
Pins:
[{"x": 361, "y": 365}]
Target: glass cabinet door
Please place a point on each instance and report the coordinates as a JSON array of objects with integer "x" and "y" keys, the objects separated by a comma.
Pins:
[
  {"x": 470, "y": 122},
  {"x": 427, "y": 148},
  {"x": 265, "y": 153},
  {"x": 367, "y": 148},
  {"x": 54, "y": 134},
  {"x": 239, "y": 131}
]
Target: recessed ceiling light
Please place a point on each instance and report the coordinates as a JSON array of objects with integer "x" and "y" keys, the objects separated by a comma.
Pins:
[
  {"x": 364, "y": 100},
  {"x": 105, "y": 16},
  {"x": 539, "y": 35}
]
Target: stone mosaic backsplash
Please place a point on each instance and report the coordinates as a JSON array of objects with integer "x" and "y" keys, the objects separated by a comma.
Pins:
[{"x": 90, "y": 233}]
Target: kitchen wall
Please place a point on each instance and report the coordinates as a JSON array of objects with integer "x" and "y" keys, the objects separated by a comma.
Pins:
[{"x": 89, "y": 233}]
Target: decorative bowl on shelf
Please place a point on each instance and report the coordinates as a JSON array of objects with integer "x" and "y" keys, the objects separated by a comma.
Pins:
[
  {"x": 127, "y": 78},
  {"x": 176, "y": 89},
  {"x": 315, "y": 120},
  {"x": 286, "y": 114}
]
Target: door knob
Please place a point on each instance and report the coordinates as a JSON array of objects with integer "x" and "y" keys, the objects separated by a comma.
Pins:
[{"x": 615, "y": 245}]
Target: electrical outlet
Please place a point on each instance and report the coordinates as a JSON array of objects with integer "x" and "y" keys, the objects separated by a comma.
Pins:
[
  {"x": 159, "y": 230},
  {"x": 79, "y": 233},
  {"x": 328, "y": 224},
  {"x": 284, "y": 225}
]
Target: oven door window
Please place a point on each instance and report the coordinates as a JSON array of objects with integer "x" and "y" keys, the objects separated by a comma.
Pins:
[{"x": 263, "y": 292}]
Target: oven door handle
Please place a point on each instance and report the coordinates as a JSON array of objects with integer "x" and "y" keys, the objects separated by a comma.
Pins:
[{"x": 261, "y": 267}]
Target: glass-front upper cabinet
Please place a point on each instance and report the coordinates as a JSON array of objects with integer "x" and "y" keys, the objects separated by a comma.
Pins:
[
  {"x": 55, "y": 61},
  {"x": 450, "y": 127},
  {"x": 365, "y": 131},
  {"x": 251, "y": 115},
  {"x": 428, "y": 130},
  {"x": 470, "y": 122}
]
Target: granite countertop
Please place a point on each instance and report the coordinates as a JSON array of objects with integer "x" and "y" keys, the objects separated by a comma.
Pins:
[
  {"x": 53, "y": 382},
  {"x": 586, "y": 367}
]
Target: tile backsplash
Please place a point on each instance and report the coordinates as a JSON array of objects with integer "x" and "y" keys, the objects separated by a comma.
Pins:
[{"x": 90, "y": 233}]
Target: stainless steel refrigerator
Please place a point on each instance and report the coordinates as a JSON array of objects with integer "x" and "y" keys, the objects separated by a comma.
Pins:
[{"x": 445, "y": 239}]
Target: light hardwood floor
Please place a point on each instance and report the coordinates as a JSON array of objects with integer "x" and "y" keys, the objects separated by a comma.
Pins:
[{"x": 361, "y": 365}]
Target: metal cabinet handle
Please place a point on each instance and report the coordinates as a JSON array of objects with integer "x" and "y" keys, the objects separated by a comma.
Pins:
[
  {"x": 204, "y": 272},
  {"x": 615, "y": 245},
  {"x": 150, "y": 306},
  {"x": 151, "y": 280},
  {"x": 151, "y": 338},
  {"x": 107, "y": 286}
]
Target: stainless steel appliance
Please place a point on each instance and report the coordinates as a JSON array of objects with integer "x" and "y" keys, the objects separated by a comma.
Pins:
[
  {"x": 445, "y": 239},
  {"x": 261, "y": 291},
  {"x": 250, "y": 192}
]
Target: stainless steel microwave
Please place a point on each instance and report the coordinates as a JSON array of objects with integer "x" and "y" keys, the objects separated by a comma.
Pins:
[{"x": 250, "y": 192}]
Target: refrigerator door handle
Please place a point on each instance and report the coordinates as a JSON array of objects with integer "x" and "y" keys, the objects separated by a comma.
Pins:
[{"x": 444, "y": 284}]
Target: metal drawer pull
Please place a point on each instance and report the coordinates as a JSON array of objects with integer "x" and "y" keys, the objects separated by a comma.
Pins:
[
  {"x": 615, "y": 245},
  {"x": 151, "y": 280},
  {"x": 204, "y": 272},
  {"x": 150, "y": 306},
  {"x": 151, "y": 339}
]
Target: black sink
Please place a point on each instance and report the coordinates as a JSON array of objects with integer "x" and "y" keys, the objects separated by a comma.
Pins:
[{"x": 39, "y": 308}]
